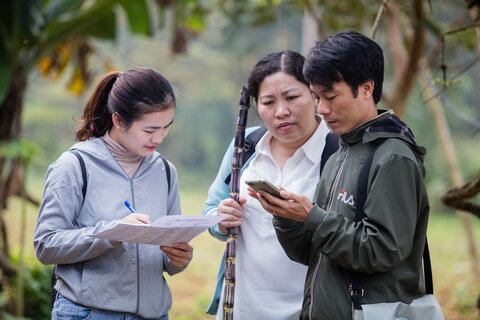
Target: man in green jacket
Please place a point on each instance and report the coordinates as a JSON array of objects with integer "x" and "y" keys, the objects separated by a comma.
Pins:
[{"x": 345, "y": 73}]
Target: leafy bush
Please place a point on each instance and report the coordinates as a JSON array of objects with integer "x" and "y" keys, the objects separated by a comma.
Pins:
[{"x": 37, "y": 285}]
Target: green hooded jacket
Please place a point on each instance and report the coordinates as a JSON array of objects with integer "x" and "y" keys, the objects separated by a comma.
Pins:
[{"x": 387, "y": 245}]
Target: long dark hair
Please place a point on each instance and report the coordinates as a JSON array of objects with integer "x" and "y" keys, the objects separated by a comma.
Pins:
[
  {"x": 130, "y": 95},
  {"x": 289, "y": 62}
]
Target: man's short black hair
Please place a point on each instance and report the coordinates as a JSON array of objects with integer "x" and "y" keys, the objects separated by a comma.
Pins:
[{"x": 348, "y": 56}]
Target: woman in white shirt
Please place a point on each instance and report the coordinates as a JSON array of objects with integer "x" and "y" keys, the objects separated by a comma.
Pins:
[{"x": 268, "y": 284}]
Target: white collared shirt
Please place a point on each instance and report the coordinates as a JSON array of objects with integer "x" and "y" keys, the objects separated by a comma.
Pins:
[{"x": 268, "y": 284}]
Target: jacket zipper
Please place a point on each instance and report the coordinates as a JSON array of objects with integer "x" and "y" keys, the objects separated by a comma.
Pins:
[
  {"x": 329, "y": 206},
  {"x": 136, "y": 253}
]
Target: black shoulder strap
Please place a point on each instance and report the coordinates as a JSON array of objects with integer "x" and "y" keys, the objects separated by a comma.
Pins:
[
  {"x": 167, "y": 171},
  {"x": 249, "y": 148},
  {"x": 84, "y": 172},
  {"x": 363, "y": 183},
  {"x": 427, "y": 269},
  {"x": 357, "y": 278},
  {"x": 331, "y": 146}
]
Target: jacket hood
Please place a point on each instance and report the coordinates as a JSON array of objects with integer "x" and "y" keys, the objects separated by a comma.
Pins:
[
  {"x": 385, "y": 125},
  {"x": 94, "y": 147}
]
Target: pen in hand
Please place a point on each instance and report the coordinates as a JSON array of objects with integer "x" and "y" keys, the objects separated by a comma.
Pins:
[
  {"x": 130, "y": 207},
  {"x": 135, "y": 217}
]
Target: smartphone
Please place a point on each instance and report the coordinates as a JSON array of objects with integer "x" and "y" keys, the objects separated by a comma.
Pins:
[{"x": 265, "y": 186}]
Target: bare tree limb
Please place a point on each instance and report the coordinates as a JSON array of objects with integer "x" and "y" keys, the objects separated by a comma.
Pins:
[
  {"x": 397, "y": 48},
  {"x": 455, "y": 76},
  {"x": 437, "y": 93},
  {"x": 427, "y": 61},
  {"x": 435, "y": 49},
  {"x": 462, "y": 28},
  {"x": 382, "y": 8},
  {"x": 456, "y": 196}
]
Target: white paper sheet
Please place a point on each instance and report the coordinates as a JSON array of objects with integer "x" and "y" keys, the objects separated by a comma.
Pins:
[{"x": 164, "y": 231}]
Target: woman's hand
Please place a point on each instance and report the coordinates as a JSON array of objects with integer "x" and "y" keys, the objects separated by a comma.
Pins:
[
  {"x": 233, "y": 210},
  {"x": 137, "y": 218},
  {"x": 180, "y": 254},
  {"x": 293, "y": 206}
]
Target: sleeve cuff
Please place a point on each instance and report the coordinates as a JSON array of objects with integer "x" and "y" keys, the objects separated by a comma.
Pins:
[
  {"x": 217, "y": 233},
  {"x": 283, "y": 223},
  {"x": 315, "y": 218}
]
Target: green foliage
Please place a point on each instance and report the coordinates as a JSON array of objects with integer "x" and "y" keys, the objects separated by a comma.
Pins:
[
  {"x": 37, "y": 284},
  {"x": 138, "y": 17},
  {"x": 260, "y": 12},
  {"x": 192, "y": 14},
  {"x": 37, "y": 292},
  {"x": 365, "y": 12},
  {"x": 18, "y": 149},
  {"x": 32, "y": 29},
  {"x": 80, "y": 22},
  {"x": 7, "y": 316}
]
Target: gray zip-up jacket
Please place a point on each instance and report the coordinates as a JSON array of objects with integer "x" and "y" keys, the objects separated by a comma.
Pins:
[
  {"x": 109, "y": 275},
  {"x": 387, "y": 245}
]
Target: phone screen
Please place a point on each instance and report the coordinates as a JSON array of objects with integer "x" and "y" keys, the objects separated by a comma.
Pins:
[{"x": 265, "y": 186}]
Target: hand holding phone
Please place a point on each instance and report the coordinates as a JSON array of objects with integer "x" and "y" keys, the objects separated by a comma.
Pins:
[{"x": 265, "y": 186}]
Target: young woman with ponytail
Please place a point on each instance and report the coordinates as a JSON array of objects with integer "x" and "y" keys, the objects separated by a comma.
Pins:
[{"x": 125, "y": 119}]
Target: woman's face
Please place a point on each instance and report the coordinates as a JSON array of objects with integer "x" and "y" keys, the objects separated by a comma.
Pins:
[
  {"x": 146, "y": 133},
  {"x": 286, "y": 107}
]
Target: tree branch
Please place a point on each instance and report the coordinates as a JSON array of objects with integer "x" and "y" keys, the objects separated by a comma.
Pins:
[
  {"x": 382, "y": 8},
  {"x": 406, "y": 69},
  {"x": 395, "y": 40},
  {"x": 456, "y": 196}
]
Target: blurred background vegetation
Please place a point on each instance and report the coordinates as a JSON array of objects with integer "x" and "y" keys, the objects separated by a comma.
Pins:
[{"x": 206, "y": 49}]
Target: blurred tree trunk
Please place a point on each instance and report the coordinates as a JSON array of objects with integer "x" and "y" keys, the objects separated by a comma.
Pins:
[
  {"x": 11, "y": 107},
  {"x": 405, "y": 61},
  {"x": 449, "y": 153},
  {"x": 309, "y": 32},
  {"x": 10, "y": 173},
  {"x": 313, "y": 29}
]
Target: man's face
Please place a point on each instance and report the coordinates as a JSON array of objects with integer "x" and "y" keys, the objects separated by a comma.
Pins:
[{"x": 340, "y": 109}]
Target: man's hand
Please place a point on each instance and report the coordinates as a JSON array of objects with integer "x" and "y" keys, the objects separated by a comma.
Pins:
[{"x": 295, "y": 206}]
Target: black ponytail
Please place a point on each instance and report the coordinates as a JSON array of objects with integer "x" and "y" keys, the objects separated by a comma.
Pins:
[{"x": 96, "y": 118}]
